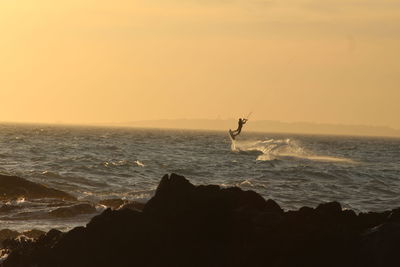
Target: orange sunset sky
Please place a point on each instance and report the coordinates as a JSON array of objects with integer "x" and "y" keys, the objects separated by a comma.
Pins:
[{"x": 96, "y": 61}]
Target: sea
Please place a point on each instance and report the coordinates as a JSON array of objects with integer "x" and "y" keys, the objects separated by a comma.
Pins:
[{"x": 97, "y": 163}]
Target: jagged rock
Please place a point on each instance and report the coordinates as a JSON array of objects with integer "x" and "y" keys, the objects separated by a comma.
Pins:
[
  {"x": 187, "y": 225},
  {"x": 175, "y": 194},
  {"x": 13, "y": 187}
]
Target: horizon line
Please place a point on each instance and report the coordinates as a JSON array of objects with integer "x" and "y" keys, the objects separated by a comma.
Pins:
[{"x": 129, "y": 124}]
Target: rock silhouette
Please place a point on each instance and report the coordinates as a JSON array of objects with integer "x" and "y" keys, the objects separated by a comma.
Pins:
[{"x": 187, "y": 225}]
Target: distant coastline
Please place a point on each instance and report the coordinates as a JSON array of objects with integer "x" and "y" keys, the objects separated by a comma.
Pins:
[{"x": 267, "y": 126}]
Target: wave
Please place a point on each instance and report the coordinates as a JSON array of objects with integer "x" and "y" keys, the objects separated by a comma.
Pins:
[{"x": 275, "y": 149}]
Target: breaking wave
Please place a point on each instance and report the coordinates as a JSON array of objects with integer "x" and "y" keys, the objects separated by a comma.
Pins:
[{"x": 274, "y": 149}]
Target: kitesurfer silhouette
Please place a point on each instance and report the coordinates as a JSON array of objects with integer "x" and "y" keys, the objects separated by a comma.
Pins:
[{"x": 241, "y": 122}]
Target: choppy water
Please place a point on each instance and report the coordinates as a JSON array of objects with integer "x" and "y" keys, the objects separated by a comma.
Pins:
[{"x": 95, "y": 163}]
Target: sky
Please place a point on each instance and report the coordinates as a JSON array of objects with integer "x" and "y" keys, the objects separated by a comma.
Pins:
[{"x": 97, "y": 61}]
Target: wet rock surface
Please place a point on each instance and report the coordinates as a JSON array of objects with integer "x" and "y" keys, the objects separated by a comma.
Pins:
[
  {"x": 7, "y": 234},
  {"x": 117, "y": 203},
  {"x": 71, "y": 211},
  {"x": 113, "y": 203},
  {"x": 187, "y": 225},
  {"x": 13, "y": 187}
]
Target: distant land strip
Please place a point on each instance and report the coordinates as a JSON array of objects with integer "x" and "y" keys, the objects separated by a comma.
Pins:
[{"x": 267, "y": 126}]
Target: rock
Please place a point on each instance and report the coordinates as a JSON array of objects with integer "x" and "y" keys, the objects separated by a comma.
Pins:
[
  {"x": 272, "y": 206},
  {"x": 7, "y": 234},
  {"x": 306, "y": 211},
  {"x": 331, "y": 208},
  {"x": 266, "y": 219},
  {"x": 34, "y": 233},
  {"x": 248, "y": 199},
  {"x": 187, "y": 225},
  {"x": 51, "y": 237},
  {"x": 176, "y": 194},
  {"x": 372, "y": 219},
  {"x": 380, "y": 246},
  {"x": 394, "y": 215},
  {"x": 72, "y": 210},
  {"x": 11, "y": 234},
  {"x": 13, "y": 187},
  {"x": 173, "y": 184},
  {"x": 21, "y": 242},
  {"x": 133, "y": 205},
  {"x": 113, "y": 203}
]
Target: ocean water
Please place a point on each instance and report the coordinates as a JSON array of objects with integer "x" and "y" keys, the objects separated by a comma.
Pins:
[{"x": 95, "y": 163}]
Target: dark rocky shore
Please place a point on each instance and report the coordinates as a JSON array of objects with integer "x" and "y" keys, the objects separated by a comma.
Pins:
[{"x": 186, "y": 225}]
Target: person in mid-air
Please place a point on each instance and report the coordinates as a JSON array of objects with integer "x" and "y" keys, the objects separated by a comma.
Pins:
[{"x": 241, "y": 122}]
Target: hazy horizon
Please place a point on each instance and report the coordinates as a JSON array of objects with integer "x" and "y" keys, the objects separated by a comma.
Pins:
[
  {"x": 74, "y": 62},
  {"x": 267, "y": 126}
]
